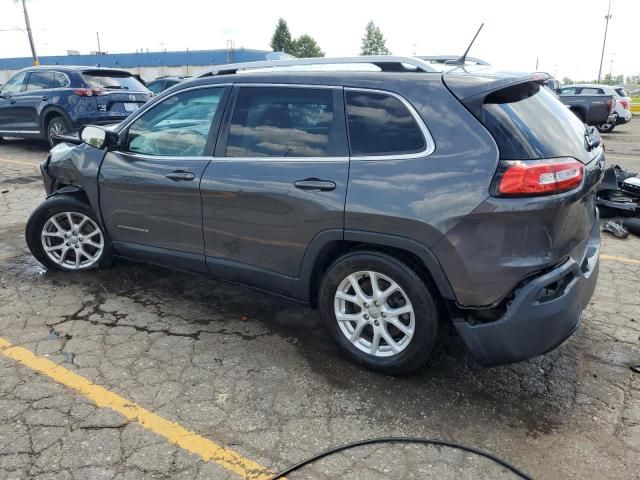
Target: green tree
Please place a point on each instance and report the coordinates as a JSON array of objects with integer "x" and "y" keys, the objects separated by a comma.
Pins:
[
  {"x": 281, "y": 40},
  {"x": 373, "y": 42},
  {"x": 306, "y": 47},
  {"x": 567, "y": 81}
]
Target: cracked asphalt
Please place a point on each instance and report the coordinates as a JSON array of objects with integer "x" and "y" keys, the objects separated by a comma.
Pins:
[{"x": 259, "y": 375}]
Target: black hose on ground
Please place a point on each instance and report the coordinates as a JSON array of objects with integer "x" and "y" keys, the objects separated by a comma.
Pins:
[{"x": 417, "y": 440}]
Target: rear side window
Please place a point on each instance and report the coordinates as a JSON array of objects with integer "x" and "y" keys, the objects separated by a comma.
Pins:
[
  {"x": 621, "y": 92},
  {"x": 284, "y": 122},
  {"x": 60, "y": 80},
  {"x": 529, "y": 122},
  {"x": 380, "y": 124},
  {"x": 591, "y": 91},
  {"x": 112, "y": 80}
]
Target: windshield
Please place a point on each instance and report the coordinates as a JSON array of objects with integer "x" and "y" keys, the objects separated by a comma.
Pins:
[
  {"x": 112, "y": 80},
  {"x": 528, "y": 122}
]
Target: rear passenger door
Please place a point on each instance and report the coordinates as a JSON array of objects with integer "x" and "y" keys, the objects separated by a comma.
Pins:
[
  {"x": 39, "y": 91},
  {"x": 278, "y": 179}
]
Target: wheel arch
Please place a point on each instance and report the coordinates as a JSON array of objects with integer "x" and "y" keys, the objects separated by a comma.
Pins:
[
  {"x": 72, "y": 191},
  {"x": 48, "y": 113},
  {"x": 330, "y": 244}
]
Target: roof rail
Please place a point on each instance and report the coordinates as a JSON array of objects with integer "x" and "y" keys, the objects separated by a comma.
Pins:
[{"x": 386, "y": 63}]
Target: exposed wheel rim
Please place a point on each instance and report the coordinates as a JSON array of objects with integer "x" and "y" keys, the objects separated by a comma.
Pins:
[
  {"x": 72, "y": 240},
  {"x": 374, "y": 313},
  {"x": 605, "y": 127},
  {"x": 56, "y": 127}
]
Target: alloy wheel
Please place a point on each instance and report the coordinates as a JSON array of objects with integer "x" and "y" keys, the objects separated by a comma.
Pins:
[
  {"x": 57, "y": 127},
  {"x": 374, "y": 313},
  {"x": 72, "y": 240}
]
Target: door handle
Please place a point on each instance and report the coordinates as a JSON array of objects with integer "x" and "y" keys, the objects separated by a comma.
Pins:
[
  {"x": 179, "y": 175},
  {"x": 315, "y": 185},
  {"x": 44, "y": 97},
  {"x": 12, "y": 101}
]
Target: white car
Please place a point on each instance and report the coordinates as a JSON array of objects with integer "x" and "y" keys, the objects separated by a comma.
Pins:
[{"x": 623, "y": 102}]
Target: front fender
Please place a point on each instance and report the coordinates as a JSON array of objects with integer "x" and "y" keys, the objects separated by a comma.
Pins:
[{"x": 73, "y": 170}]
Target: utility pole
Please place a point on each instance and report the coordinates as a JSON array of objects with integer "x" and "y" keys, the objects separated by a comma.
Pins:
[
  {"x": 98, "y": 37},
  {"x": 604, "y": 42},
  {"x": 611, "y": 82},
  {"x": 26, "y": 21}
]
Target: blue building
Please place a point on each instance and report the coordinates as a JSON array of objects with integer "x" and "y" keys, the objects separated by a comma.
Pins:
[{"x": 148, "y": 64}]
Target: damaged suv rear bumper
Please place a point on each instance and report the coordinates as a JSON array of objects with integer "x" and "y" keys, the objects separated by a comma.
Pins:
[{"x": 536, "y": 322}]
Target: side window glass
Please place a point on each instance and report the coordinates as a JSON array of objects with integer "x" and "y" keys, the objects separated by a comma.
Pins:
[
  {"x": 60, "y": 80},
  {"x": 14, "y": 85},
  {"x": 380, "y": 124},
  {"x": 178, "y": 126},
  {"x": 40, "y": 80},
  {"x": 155, "y": 87},
  {"x": 283, "y": 122}
]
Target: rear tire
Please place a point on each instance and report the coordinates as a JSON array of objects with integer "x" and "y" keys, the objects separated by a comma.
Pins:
[
  {"x": 391, "y": 329},
  {"x": 56, "y": 125},
  {"x": 63, "y": 233},
  {"x": 606, "y": 127}
]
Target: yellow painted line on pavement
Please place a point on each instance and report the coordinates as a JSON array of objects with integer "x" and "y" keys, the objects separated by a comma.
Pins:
[
  {"x": 629, "y": 261},
  {"x": 18, "y": 162},
  {"x": 172, "y": 431}
]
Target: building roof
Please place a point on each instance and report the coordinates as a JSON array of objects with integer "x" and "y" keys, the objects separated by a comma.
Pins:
[{"x": 143, "y": 59}]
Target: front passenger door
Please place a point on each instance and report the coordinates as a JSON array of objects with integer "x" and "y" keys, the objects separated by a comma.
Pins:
[
  {"x": 9, "y": 113},
  {"x": 150, "y": 188}
]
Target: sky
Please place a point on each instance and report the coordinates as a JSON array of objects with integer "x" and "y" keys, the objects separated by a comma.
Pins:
[{"x": 563, "y": 36}]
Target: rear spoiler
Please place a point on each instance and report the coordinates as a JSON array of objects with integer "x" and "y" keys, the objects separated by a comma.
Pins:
[
  {"x": 467, "y": 82},
  {"x": 471, "y": 86}
]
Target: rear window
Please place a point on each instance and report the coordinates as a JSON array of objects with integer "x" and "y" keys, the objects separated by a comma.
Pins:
[
  {"x": 380, "y": 124},
  {"x": 528, "y": 122},
  {"x": 112, "y": 80}
]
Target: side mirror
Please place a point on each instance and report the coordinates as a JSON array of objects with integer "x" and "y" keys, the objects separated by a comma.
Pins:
[{"x": 98, "y": 137}]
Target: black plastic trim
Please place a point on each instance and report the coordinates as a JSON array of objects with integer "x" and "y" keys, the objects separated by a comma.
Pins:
[{"x": 423, "y": 253}]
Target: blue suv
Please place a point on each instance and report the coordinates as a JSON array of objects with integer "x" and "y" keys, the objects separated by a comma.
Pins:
[{"x": 41, "y": 102}]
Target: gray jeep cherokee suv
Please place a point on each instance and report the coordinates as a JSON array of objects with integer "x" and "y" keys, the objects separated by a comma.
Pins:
[{"x": 395, "y": 200}]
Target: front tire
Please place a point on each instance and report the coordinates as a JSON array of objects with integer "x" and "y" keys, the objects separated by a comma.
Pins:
[
  {"x": 379, "y": 311},
  {"x": 63, "y": 233}
]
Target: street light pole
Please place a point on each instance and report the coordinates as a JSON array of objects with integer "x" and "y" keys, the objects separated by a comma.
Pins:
[
  {"x": 604, "y": 42},
  {"x": 26, "y": 21}
]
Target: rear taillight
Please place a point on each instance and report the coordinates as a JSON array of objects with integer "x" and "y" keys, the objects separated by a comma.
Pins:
[
  {"x": 611, "y": 103},
  {"x": 89, "y": 92},
  {"x": 528, "y": 178},
  {"x": 625, "y": 104}
]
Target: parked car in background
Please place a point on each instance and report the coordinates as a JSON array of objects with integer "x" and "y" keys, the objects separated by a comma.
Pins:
[
  {"x": 162, "y": 83},
  {"x": 622, "y": 106},
  {"x": 396, "y": 200},
  {"x": 40, "y": 102},
  {"x": 591, "y": 107}
]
